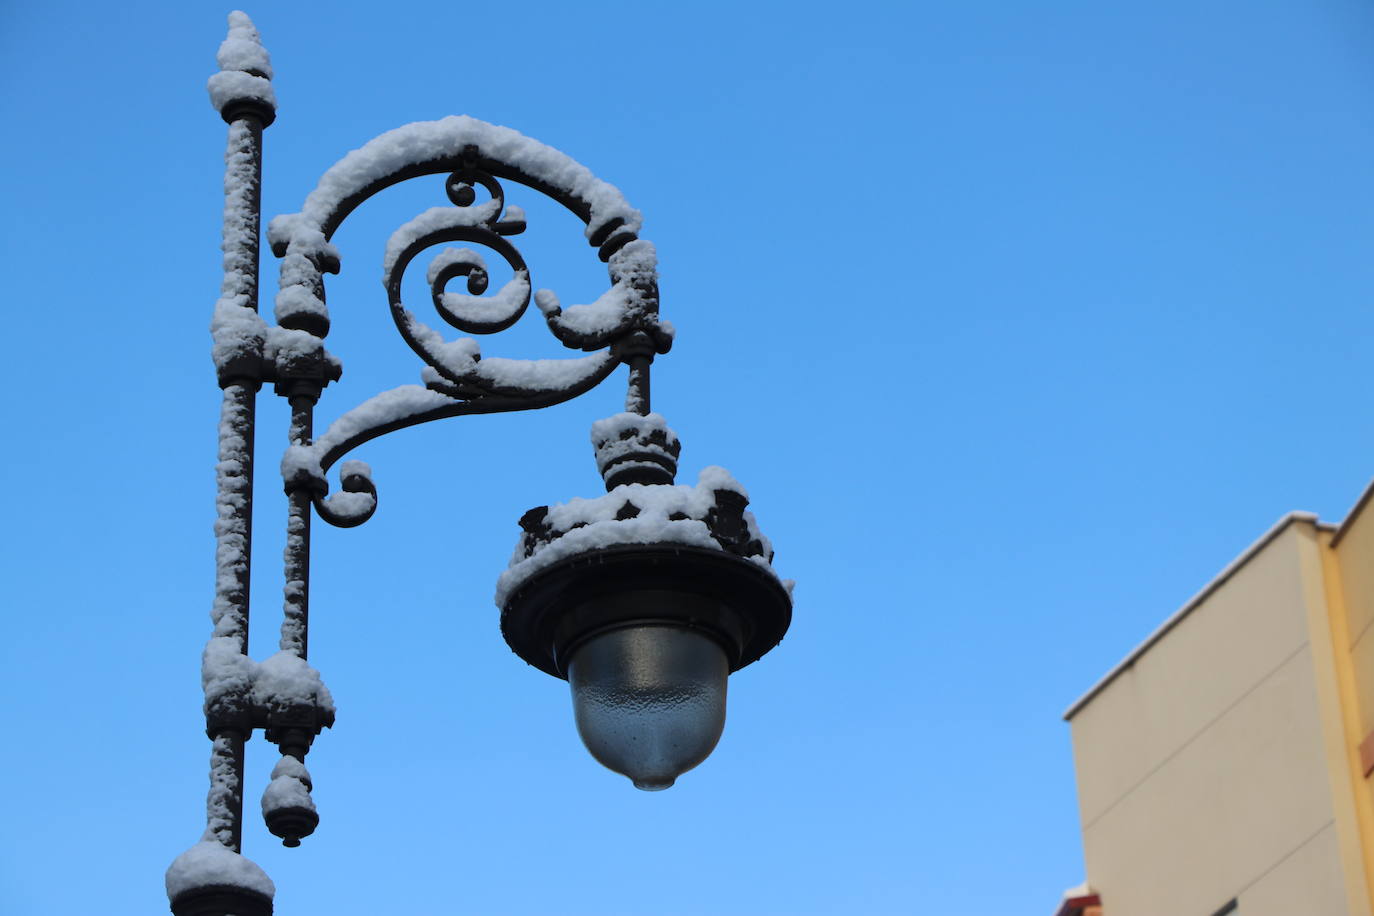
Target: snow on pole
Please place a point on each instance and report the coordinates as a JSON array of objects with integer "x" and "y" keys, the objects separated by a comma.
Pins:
[
  {"x": 238, "y": 333},
  {"x": 295, "y": 625},
  {"x": 213, "y": 868}
]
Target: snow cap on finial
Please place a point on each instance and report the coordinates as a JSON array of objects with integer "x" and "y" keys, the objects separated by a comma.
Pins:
[
  {"x": 211, "y": 878},
  {"x": 242, "y": 49},
  {"x": 241, "y": 87}
]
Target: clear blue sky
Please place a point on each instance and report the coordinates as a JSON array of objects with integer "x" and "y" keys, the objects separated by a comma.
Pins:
[{"x": 1018, "y": 320}]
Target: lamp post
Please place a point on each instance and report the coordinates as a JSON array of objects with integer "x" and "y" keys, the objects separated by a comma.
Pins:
[{"x": 645, "y": 599}]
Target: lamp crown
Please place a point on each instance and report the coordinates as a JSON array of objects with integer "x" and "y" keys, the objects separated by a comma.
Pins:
[{"x": 631, "y": 448}]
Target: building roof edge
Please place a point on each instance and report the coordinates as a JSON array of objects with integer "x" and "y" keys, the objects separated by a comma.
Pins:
[
  {"x": 1354, "y": 512},
  {"x": 1206, "y": 591}
]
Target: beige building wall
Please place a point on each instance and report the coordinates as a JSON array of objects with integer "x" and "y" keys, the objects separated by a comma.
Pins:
[
  {"x": 1214, "y": 762},
  {"x": 1353, "y": 546}
]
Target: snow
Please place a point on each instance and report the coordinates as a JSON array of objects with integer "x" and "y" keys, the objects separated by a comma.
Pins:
[
  {"x": 245, "y": 70},
  {"x": 285, "y": 680},
  {"x": 451, "y": 257},
  {"x": 624, "y": 433},
  {"x": 351, "y": 505},
  {"x": 295, "y": 589},
  {"x": 635, "y": 262},
  {"x": 665, "y": 514},
  {"x": 237, "y": 331},
  {"x": 1082, "y": 890},
  {"x": 281, "y": 682},
  {"x": 242, "y": 49},
  {"x": 209, "y": 863},
  {"x": 229, "y": 86},
  {"x": 239, "y": 338},
  {"x": 286, "y": 792},
  {"x": 602, "y": 316},
  {"x": 435, "y": 219},
  {"x": 615, "y": 427},
  {"x": 394, "y": 406},
  {"x": 456, "y": 360},
  {"x": 283, "y": 228},
  {"x": 547, "y": 302},
  {"x": 715, "y": 478},
  {"x": 300, "y": 461},
  {"x": 695, "y": 502},
  {"x": 406, "y": 403},
  {"x": 233, "y": 487},
  {"x": 235, "y": 326},
  {"x": 650, "y": 529},
  {"x": 300, "y": 291},
  {"x": 306, "y": 240},
  {"x": 222, "y": 800},
  {"x": 539, "y": 374},
  {"x": 359, "y": 498},
  {"x": 297, "y": 299},
  {"x": 290, "y": 766},
  {"x": 225, "y": 672},
  {"x": 300, "y": 237},
  {"x": 503, "y": 306},
  {"x": 630, "y": 299},
  {"x": 289, "y": 787},
  {"x": 424, "y": 141},
  {"x": 462, "y": 361},
  {"x": 284, "y": 346},
  {"x": 380, "y": 411}
]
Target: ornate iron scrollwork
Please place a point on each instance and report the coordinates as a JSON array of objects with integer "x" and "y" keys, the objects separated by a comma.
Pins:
[{"x": 621, "y": 325}]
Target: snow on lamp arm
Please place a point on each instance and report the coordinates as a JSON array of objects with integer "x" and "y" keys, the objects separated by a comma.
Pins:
[
  {"x": 621, "y": 326},
  {"x": 645, "y": 599}
]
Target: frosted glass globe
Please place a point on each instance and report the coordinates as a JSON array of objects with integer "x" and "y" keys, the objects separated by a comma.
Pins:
[{"x": 649, "y": 700}]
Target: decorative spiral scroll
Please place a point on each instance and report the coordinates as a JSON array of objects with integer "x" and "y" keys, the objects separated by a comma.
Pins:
[
  {"x": 620, "y": 326},
  {"x": 459, "y": 188},
  {"x": 356, "y": 500},
  {"x": 467, "y": 221},
  {"x": 453, "y": 366},
  {"x": 475, "y": 313}
]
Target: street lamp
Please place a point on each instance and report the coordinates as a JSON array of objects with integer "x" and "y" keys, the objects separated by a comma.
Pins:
[{"x": 645, "y": 599}]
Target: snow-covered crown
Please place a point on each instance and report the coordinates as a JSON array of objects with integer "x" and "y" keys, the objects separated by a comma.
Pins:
[
  {"x": 635, "y": 449},
  {"x": 713, "y": 515}
]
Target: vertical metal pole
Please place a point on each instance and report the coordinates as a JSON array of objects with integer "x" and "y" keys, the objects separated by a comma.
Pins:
[
  {"x": 233, "y": 553},
  {"x": 295, "y": 626},
  {"x": 240, "y": 380},
  {"x": 637, "y": 397}
]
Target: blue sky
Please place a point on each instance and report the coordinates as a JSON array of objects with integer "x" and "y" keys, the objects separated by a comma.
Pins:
[{"x": 1017, "y": 320}]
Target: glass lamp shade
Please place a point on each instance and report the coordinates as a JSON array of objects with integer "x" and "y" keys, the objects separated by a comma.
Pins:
[{"x": 649, "y": 700}]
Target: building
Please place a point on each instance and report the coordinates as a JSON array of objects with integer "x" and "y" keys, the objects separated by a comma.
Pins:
[{"x": 1224, "y": 765}]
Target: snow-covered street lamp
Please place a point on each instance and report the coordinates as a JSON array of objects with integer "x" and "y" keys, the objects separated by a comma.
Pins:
[{"x": 645, "y": 599}]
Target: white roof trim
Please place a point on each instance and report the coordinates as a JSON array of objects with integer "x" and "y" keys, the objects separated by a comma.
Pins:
[
  {"x": 1082, "y": 890},
  {"x": 1231, "y": 569}
]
